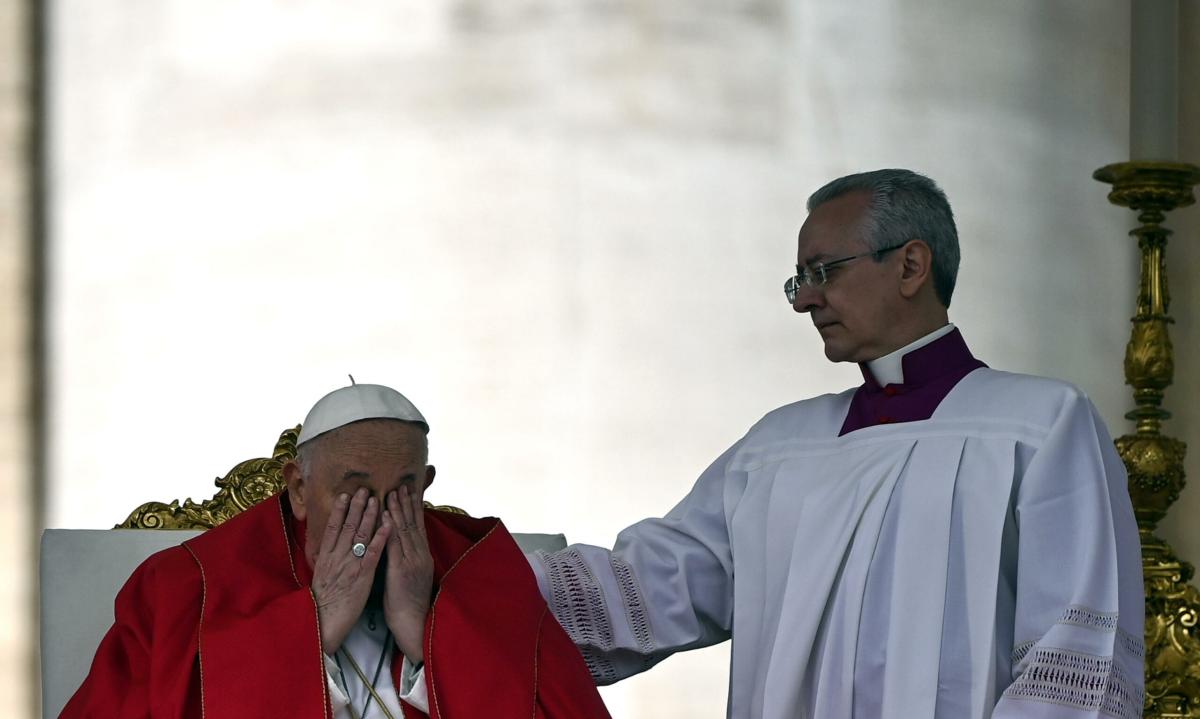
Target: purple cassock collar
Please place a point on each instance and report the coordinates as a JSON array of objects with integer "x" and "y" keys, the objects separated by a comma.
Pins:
[{"x": 930, "y": 372}]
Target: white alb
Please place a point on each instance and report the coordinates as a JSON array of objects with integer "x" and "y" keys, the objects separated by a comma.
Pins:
[{"x": 981, "y": 563}]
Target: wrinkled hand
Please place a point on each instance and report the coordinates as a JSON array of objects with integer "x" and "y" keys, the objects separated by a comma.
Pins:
[
  {"x": 409, "y": 586},
  {"x": 341, "y": 581}
]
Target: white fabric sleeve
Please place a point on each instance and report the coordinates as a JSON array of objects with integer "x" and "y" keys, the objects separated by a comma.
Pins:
[
  {"x": 338, "y": 699},
  {"x": 412, "y": 686},
  {"x": 666, "y": 586},
  {"x": 1078, "y": 648}
]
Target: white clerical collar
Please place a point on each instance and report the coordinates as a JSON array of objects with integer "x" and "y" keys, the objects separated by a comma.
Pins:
[{"x": 889, "y": 369}]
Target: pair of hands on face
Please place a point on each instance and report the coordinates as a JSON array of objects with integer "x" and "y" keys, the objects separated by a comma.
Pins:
[{"x": 342, "y": 582}]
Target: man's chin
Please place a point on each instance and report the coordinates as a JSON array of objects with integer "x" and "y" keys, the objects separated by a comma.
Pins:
[{"x": 835, "y": 353}]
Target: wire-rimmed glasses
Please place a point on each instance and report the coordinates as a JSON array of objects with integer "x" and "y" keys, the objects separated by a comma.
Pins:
[{"x": 818, "y": 274}]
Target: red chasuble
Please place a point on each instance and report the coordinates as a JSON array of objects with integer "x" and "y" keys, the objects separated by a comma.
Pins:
[{"x": 225, "y": 626}]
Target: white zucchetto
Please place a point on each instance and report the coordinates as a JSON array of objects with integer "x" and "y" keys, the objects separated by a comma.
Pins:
[{"x": 354, "y": 403}]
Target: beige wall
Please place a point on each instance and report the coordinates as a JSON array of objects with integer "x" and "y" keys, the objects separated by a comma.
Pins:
[
  {"x": 16, "y": 623},
  {"x": 561, "y": 228},
  {"x": 1182, "y": 526}
]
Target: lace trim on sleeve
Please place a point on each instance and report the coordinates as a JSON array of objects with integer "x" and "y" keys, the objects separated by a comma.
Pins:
[
  {"x": 602, "y": 669},
  {"x": 1080, "y": 681},
  {"x": 577, "y": 600},
  {"x": 1081, "y": 616},
  {"x": 1134, "y": 645},
  {"x": 635, "y": 604},
  {"x": 1021, "y": 650},
  {"x": 1090, "y": 618}
]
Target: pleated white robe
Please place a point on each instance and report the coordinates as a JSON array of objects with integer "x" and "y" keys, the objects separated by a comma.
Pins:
[{"x": 982, "y": 563}]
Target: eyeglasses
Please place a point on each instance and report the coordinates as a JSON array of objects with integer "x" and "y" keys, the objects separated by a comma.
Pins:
[{"x": 818, "y": 274}]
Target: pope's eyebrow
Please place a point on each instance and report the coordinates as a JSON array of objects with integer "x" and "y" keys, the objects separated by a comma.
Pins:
[{"x": 358, "y": 474}]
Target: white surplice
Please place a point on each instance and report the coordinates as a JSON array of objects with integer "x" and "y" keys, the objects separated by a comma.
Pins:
[
  {"x": 370, "y": 644},
  {"x": 982, "y": 563}
]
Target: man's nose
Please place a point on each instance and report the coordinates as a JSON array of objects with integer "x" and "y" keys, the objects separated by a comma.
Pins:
[{"x": 807, "y": 298}]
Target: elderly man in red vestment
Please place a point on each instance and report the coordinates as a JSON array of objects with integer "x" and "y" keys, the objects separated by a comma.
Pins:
[{"x": 341, "y": 598}]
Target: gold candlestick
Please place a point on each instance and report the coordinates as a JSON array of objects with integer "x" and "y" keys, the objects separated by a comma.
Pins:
[{"x": 1154, "y": 461}]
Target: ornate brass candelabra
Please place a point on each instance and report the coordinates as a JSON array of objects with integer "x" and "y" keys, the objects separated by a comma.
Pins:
[{"x": 1153, "y": 460}]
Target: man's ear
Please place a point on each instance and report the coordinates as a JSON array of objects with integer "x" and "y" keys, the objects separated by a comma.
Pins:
[
  {"x": 297, "y": 486},
  {"x": 916, "y": 268},
  {"x": 430, "y": 473}
]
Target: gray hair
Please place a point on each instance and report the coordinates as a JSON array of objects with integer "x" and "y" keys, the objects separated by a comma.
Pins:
[
  {"x": 904, "y": 206},
  {"x": 306, "y": 457}
]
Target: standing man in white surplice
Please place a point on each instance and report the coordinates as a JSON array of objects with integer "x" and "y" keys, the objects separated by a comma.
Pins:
[{"x": 945, "y": 540}]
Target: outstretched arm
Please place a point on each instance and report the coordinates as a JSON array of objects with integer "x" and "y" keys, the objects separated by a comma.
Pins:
[{"x": 666, "y": 586}]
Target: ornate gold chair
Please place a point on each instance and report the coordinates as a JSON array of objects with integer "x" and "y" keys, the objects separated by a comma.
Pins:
[{"x": 82, "y": 570}]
